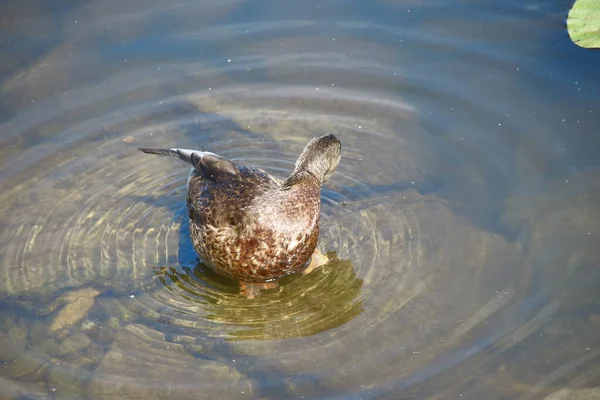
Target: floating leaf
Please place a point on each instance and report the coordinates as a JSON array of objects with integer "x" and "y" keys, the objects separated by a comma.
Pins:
[{"x": 583, "y": 23}]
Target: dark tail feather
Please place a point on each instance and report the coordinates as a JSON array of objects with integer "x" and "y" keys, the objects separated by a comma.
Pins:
[
  {"x": 182, "y": 154},
  {"x": 160, "y": 152},
  {"x": 208, "y": 164}
]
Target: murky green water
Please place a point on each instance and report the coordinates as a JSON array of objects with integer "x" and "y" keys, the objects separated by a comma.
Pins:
[{"x": 462, "y": 224}]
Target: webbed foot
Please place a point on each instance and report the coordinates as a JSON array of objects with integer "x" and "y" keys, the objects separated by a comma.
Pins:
[
  {"x": 251, "y": 289},
  {"x": 318, "y": 260}
]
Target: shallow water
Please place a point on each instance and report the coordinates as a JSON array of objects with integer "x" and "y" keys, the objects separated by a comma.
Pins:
[{"x": 461, "y": 225}]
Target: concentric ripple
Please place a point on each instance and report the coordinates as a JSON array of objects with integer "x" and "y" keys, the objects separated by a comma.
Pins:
[{"x": 115, "y": 219}]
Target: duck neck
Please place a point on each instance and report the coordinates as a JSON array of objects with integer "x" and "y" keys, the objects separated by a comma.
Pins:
[
  {"x": 296, "y": 208},
  {"x": 299, "y": 177}
]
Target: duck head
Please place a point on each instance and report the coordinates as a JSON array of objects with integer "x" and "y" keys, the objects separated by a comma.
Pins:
[{"x": 319, "y": 158}]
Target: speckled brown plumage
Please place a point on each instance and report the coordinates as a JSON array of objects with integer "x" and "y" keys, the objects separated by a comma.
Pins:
[{"x": 248, "y": 225}]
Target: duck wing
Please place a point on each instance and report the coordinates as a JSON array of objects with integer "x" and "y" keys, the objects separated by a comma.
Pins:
[{"x": 209, "y": 165}]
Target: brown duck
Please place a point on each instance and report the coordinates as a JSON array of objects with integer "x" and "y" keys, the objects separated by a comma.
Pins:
[{"x": 249, "y": 226}]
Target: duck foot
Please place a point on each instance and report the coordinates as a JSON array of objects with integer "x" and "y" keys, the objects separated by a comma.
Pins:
[
  {"x": 251, "y": 289},
  {"x": 318, "y": 260}
]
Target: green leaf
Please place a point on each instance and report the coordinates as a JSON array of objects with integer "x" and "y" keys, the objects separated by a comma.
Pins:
[{"x": 583, "y": 23}]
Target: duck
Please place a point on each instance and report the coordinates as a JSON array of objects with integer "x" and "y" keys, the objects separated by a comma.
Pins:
[{"x": 248, "y": 225}]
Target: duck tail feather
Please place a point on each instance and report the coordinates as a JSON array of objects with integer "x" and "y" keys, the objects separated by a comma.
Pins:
[
  {"x": 160, "y": 152},
  {"x": 182, "y": 154},
  {"x": 209, "y": 165}
]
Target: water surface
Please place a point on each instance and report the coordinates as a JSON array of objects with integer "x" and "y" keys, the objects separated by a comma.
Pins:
[{"x": 461, "y": 225}]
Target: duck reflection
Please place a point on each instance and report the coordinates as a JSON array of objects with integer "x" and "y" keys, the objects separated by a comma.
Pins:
[{"x": 297, "y": 305}]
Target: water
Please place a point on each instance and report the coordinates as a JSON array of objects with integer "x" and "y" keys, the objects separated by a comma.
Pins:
[{"x": 462, "y": 224}]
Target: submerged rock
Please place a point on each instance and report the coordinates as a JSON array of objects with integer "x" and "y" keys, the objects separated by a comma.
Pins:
[
  {"x": 575, "y": 394},
  {"x": 13, "y": 389},
  {"x": 140, "y": 364},
  {"x": 78, "y": 303}
]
